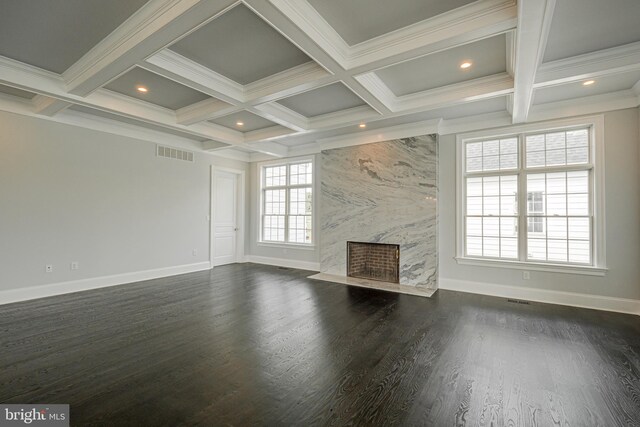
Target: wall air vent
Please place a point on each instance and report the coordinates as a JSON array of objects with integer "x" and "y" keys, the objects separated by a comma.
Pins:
[{"x": 174, "y": 153}]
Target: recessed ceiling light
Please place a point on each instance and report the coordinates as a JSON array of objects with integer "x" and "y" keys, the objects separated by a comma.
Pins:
[
  {"x": 362, "y": 125},
  {"x": 142, "y": 89},
  {"x": 239, "y": 123},
  {"x": 588, "y": 83},
  {"x": 465, "y": 64}
]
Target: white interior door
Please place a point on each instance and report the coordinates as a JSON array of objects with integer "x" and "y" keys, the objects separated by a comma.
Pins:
[{"x": 225, "y": 217}]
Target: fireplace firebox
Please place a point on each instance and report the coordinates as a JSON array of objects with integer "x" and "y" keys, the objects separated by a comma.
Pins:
[{"x": 375, "y": 261}]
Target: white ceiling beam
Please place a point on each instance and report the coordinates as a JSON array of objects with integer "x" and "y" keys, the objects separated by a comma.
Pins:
[
  {"x": 268, "y": 147},
  {"x": 586, "y": 105},
  {"x": 267, "y": 134},
  {"x": 277, "y": 112},
  {"x": 471, "y": 123},
  {"x": 35, "y": 80},
  {"x": 472, "y": 90},
  {"x": 154, "y": 26},
  {"x": 377, "y": 88},
  {"x": 90, "y": 121},
  {"x": 48, "y": 106},
  {"x": 615, "y": 60},
  {"x": 213, "y": 145},
  {"x": 534, "y": 21},
  {"x": 140, "y": 110},
  {"x": 481, "y": 18},
  {"x": 289, "y": 82},
  {"x": 352, "y": 116},
  {"x": 204, "y": 110},
  {"x": 189, "y": 73},
  {"x": 312, "y": 24},
  {"x": 230, "y": 153}
]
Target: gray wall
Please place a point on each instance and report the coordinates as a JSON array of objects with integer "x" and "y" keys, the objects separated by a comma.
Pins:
[
  {"x": 73, "y": 194},
  {"x": 622, "y": 199}
]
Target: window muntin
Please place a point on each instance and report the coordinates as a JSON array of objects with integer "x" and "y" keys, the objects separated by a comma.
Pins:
[
  {"x": 287, "y": 203},
  {"x": 554, "y": 170}
]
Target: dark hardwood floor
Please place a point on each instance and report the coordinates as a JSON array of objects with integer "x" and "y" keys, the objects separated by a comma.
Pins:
[{"x": 259, "y": 345}]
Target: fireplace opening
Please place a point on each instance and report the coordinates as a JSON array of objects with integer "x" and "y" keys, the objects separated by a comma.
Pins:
[{"x": 375, "y": 261}]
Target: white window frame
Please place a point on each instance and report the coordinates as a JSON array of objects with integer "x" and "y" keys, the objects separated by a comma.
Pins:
[
  {"x": 314, "y": 205},
  {"x": 598, "y": 240}
]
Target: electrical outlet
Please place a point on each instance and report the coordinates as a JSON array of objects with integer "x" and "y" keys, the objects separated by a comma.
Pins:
[
  {"x": 526, "y": 275},
  {"x": 75, "y": 265},
  {"x": 48, "y": 268},
  {"x": 194, "y": 252}
]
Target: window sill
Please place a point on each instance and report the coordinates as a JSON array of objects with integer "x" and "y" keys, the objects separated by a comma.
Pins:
[
  {"x": 288, "y": 246},
  {"x": 534, "y": 266}
]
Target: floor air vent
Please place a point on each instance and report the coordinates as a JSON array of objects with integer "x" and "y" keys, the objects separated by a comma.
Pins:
[
  {"x": 518, "y": 301},
  {"x": 174, "y": 153}
]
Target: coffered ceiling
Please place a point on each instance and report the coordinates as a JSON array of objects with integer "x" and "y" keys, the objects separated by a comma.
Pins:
[{"x": 301, "y": 75}]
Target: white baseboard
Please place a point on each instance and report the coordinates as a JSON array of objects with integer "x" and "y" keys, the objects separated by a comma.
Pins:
[
  {"x": 42, "y": 291},
  {"x": 282, "y": 262},
  {"x": 597, "y": 302}
]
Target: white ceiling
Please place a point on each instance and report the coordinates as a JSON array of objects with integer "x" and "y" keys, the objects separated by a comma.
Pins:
[{"x": 296, "y": 72}]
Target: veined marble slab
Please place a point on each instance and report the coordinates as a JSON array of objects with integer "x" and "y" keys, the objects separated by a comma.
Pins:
[
  {"x": 384, "y": 192},
  {"x": 373, "y": 284}
]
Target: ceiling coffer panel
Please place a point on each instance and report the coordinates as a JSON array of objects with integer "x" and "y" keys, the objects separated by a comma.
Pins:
[{"x": 241, "y": 46}]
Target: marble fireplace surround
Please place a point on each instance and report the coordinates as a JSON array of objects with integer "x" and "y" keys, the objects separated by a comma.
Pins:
[{"x": 384, "y": 192}]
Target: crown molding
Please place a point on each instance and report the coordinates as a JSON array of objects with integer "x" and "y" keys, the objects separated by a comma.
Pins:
[
  {"x": 24, "y": 107},
  {"x": 534, "y": 22},
  {"x": 587, "y": 105},
  {"x": 48, "y": 106},
  {"x": 510, "y": 38},
  {"x": 231, "y": 153},
  {"x": 27, "y": 77},
  {"x": 378, "y": 135},
  {"x": 615, "y": 60},
  {"x": 472, "y": 123}
]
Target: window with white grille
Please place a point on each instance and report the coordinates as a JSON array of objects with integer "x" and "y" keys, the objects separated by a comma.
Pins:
[
  {"x": 287, "y": 202},
  {"x": 529, "y": 197}
]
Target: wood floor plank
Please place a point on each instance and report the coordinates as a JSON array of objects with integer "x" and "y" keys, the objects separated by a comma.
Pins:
[{"x": 247, "y": 344}]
